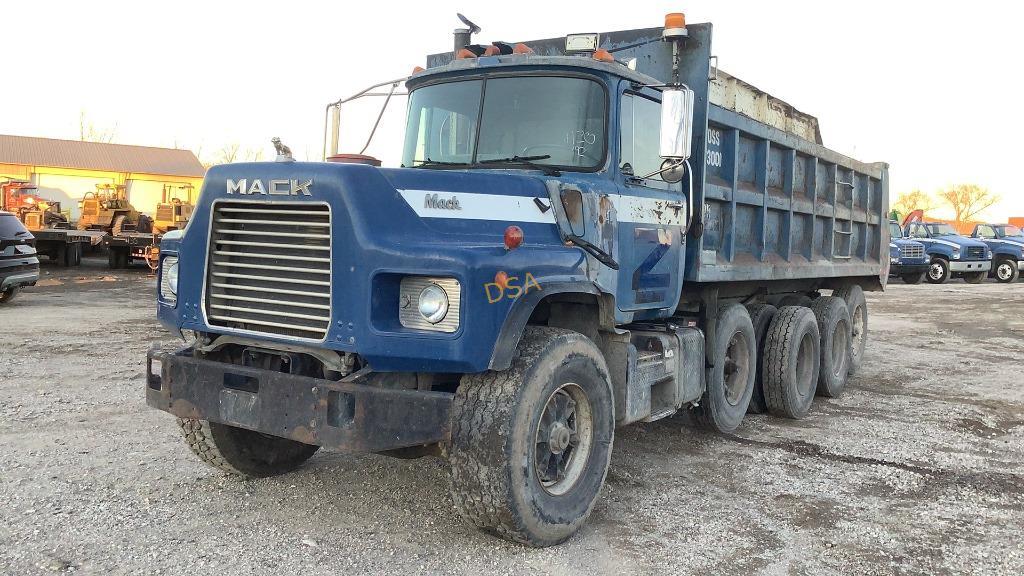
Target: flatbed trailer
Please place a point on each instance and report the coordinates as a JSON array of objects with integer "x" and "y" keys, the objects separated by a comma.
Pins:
[
  {"x": 65, "y": 246},
  {"x": 126, "y": 248}
]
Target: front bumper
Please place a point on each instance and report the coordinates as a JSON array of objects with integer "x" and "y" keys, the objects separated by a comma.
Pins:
[
  {"x": 340, "y": 416},
  {"x": 21, "y": 278},
  {"x": 902, "y": 269},
  {"x": 968, "y": 266}
]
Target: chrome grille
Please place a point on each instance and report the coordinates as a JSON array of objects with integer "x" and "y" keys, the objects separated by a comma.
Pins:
[
  {"x": 912, "y": 251},
  {"x": 270, "y": 268},
  {"x": 975, "y": 253}
]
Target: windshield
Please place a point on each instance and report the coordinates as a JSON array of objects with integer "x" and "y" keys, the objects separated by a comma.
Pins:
[
  {"x": 1011, "y": 231},
  {"x": 549, "y": 120},
  {"x": 894, "y": 230},
  {"x": 941, "y": 229}
]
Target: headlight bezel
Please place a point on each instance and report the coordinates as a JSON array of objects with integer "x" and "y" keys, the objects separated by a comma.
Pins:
[
  {"x": 409, "y": 316},
  {"x": 170, "y": 272}
]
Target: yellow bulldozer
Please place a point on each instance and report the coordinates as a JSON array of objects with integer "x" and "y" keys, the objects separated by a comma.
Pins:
[
  {"x": 174, "y": 209},
  {"x": 108, "y": 209}
]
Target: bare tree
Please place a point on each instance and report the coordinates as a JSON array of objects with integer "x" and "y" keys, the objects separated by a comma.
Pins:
[
  {"x": 88, "y": 132},
  {"x": 967, "y": 201},
  {"x": 234, "y": 152},
  {"x": 907, "y": 202}
]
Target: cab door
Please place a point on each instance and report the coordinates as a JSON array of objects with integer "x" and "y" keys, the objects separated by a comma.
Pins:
[{"x": 651, "y": 213}]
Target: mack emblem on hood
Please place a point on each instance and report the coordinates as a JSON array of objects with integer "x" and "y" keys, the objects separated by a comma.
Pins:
[
  {"x": 273, "y": 187},
  {"x": 435, "y": 201}
]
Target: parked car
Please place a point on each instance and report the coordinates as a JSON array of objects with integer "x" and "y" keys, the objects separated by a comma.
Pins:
[
  {"x": 951, "y": 254},
  {"x": 19, "y": 265},
  {"x": 908, "y": 259},
  {"x": 1007, "y": 245}
]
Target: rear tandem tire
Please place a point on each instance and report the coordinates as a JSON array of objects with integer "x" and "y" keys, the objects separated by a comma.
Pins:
[
  {"x": 761, "y": 317},
  {"x": 530, "y": 446},
  {"x": 834, "y": 330},
  {"x": 853, "y": 295},
  {"x": 243, "y": 452},
  {"x": 791, "y": 363},
  {"x": 730, "y": 382}
]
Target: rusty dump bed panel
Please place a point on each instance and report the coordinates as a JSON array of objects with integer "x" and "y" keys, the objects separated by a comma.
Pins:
[{"x": 772, "y": 203}]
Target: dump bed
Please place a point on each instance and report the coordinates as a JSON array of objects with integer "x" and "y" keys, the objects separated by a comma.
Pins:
[{"x": 772, "y": 203}]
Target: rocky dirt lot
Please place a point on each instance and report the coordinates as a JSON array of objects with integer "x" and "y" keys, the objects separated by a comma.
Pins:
[{"x": 918, "y": 469}]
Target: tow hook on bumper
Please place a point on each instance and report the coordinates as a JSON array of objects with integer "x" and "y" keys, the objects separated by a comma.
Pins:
[{"x": 342, "y": 417}]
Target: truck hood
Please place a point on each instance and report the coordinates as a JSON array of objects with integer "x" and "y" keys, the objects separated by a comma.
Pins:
[{"x": 953, "y": 240}]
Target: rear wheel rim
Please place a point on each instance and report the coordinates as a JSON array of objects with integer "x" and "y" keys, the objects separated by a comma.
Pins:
[
  {"x": 839, "y": 346},
  {"x": 736, "y": 368},
  {"x": 564, "y": 439},
  {"x": 857, "y": 329},
  {"x": 1004, "y": 271},
  {"x": 804, "y": 365}
]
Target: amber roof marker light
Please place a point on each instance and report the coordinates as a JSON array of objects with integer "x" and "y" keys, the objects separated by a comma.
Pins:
[{"x": 675, "y": 26}]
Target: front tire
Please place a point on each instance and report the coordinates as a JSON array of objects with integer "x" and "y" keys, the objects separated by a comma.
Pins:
[
  {"x": 9, "y": 294},
  {"x": 1006, "y": 271},
  {"x": 242, "y": 452},
  {"x": 913, "y": 278},
  {"x": 975, "y": 277},
  {"x": 938, "y": 271},
  {"x": 530, "y": 446}
]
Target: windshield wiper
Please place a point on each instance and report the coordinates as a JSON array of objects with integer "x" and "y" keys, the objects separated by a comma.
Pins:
[
  {"x": 525, "y": 161},
  {"x": 429, "y": 163}
]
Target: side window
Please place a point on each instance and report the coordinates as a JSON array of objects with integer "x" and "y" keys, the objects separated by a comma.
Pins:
[
  {"x": 640, "y": 132},
  {"x": 986, "y": 232},
  {"x": 917, "y": 231}
]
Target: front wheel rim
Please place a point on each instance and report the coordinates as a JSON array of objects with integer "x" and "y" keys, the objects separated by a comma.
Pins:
[
  {"x": 1004, "y": 272},
  {"x": 936, "y": 271},
  {"x": 564, "y": 439}
]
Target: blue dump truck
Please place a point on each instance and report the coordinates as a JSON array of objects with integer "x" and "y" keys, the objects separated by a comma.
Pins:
[
  {"x": 1007, "y": 245},
  {"x": 585, "y": 232},
  {"x": 951, "y": 253},
  {"x": 908, "y": 259}
]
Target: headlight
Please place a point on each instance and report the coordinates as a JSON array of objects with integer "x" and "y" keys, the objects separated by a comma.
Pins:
[
  {"x": 172, "y": 278},
  {"x": 433, "y": 303},
  {"x": 169, "y": 279},
  {"x": 956, "y": 254}
]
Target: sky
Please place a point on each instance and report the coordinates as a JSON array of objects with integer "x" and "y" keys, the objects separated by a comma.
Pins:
[{"x": 932, "y": 88}]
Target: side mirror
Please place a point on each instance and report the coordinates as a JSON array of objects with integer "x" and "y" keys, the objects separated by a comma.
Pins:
[{"x": 676, "y": 123}]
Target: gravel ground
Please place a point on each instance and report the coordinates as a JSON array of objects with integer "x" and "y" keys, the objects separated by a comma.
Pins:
[{"x": 917, "y": 469}]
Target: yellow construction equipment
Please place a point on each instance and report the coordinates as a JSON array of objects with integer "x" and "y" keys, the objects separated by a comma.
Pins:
[{"x": 175, "y": 208}]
